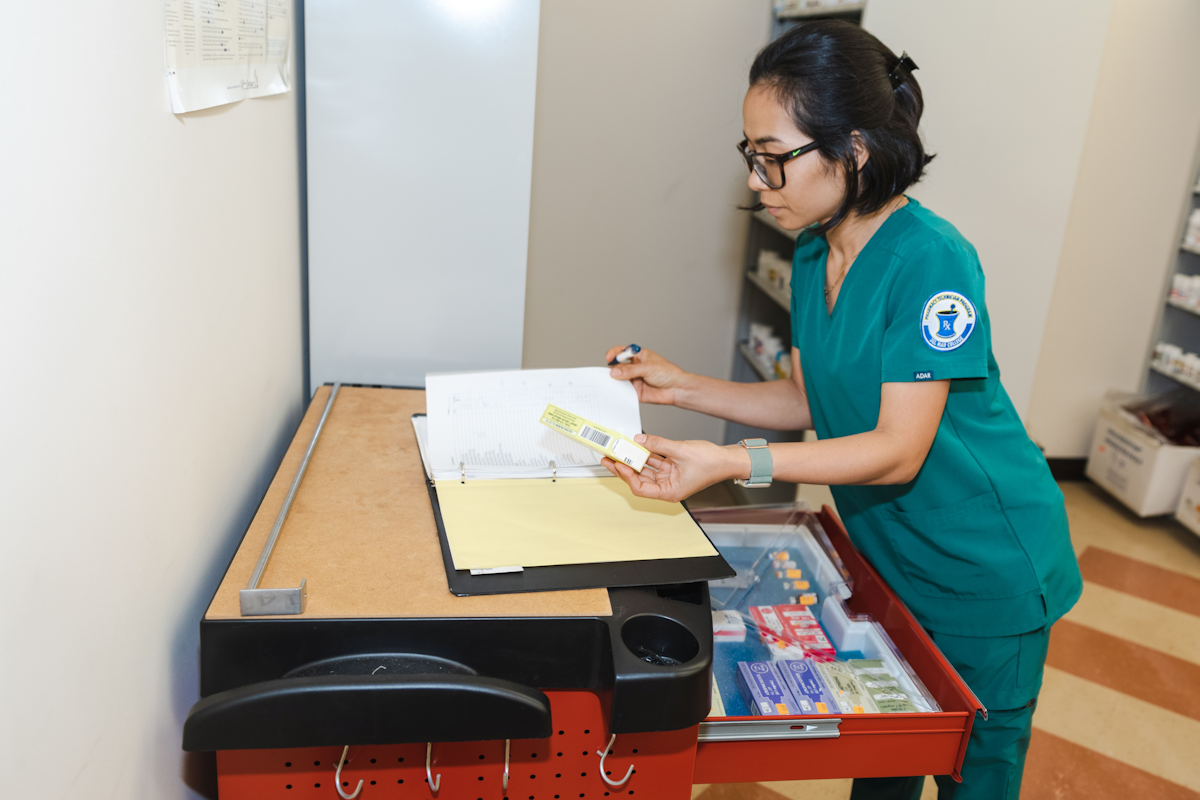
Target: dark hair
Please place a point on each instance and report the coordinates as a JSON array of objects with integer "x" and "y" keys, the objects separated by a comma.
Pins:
[{"x": 838, "y": 80}]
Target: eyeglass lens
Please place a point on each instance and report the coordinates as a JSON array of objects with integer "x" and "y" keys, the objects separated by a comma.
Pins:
[{"x": 769, "y": 171}]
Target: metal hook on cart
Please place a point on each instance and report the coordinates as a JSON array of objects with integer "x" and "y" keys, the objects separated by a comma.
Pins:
[
  {"x": 337, "y": 777},
  {"x": 507, "y": 742},
  {"x": 603, "y": 755},
  {"x": 434, "y": 784}
]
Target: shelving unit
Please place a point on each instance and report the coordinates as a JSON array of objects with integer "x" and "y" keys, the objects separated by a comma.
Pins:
[
  {"x": 1184, "y": 307},
  {"x": 1180, "y": 379},
  {"x": 761, "y": 302},
  {"x": 758, "y": 368},
  {"x": 784, "y": 19},
  {"x": 842, "y": 9},
  {"x": 1178, "y": 323},
  {"x": 778, "y": 295}
]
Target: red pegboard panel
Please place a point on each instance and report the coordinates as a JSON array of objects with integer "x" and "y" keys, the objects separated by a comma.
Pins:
[{"x": 564, "y": 766}]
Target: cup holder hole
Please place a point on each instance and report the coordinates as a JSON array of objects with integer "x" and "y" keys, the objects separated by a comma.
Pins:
[{"x": 659, "y": 640}]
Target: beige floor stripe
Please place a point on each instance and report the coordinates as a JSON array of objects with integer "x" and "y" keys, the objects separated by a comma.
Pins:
[
  {"x": 1148, "y": 624},
  {"x": 1167, "y": 587},
  {"x": 1129, "y": 730},
  {"x": 792, "y": 790},
  {"x": 1097, "y": 519}
]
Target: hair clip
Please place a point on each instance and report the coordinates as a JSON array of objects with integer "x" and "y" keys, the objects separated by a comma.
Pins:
[{"x": 894, "y": 76}]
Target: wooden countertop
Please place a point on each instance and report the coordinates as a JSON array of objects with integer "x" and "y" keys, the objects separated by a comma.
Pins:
[{"x": 361, "y": 529}]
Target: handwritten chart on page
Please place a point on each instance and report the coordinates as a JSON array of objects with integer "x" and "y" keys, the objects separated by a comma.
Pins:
[{"x": 488, "y": 421}]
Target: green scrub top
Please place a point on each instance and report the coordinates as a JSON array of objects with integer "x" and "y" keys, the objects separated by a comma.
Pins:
[{"x": 977, "y": 544}]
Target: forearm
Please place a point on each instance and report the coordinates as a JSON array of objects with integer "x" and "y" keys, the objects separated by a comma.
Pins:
[
  {"x": 876, "y": 457},
  {"x": 775, "y": 405}
]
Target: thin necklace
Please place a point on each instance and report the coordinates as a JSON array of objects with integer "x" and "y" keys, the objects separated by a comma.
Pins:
[
  {"x": 830, "y": 287},
  {"x": 836, "y": 283}
]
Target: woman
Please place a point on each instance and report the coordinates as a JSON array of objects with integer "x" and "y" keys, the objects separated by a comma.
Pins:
[{"x": 934, "y": 476}]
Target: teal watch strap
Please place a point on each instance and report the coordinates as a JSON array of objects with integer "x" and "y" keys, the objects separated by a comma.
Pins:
[{"x": 761, "y": 465}]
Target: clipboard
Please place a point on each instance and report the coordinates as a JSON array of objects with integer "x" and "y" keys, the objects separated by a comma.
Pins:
[{"x": 608, "y": 574}]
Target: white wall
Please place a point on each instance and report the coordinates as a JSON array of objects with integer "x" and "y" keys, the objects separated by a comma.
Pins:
[
  {"x": 634, "y": 234},
  {"x": 1122, "y": 235},
  {"x": 1008, "y": 91},
  {"x": 420, "y": 138},
  {"x": 150, "y": 343}
]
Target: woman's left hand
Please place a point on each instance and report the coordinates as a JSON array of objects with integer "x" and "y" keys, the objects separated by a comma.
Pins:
[{"x": 677, "y": 470}]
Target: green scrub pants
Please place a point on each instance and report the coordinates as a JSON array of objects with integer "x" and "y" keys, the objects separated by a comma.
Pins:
[{"x": 1006, "y": 674}]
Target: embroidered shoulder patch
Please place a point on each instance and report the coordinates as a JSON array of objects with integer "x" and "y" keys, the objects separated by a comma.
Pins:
[{"x": 947, "y": 322}]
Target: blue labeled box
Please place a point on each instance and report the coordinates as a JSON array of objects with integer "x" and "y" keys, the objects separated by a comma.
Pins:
[
  {"x": 804, "y": 682},
  {"x": 763, "y": 689}
]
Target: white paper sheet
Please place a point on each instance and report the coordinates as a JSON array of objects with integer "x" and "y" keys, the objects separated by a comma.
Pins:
[
  {"x": 488, "y": 421},
  {"x": 223, "y": 51}
]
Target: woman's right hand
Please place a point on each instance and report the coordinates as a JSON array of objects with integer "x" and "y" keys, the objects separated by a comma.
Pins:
[{"x": 655, "y": 379}]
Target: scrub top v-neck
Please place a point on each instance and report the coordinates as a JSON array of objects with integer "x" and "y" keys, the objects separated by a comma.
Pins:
[{"x": 977, "y": 544}]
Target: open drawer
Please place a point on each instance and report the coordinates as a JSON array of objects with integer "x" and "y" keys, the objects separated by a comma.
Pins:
[{"x": 754, "y": 748}]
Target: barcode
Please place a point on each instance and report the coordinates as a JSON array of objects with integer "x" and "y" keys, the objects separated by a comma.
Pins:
[{"x": 596, "y": 436}]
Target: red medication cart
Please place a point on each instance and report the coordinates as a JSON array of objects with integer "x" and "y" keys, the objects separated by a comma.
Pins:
[{"x": 411, "y": 683}]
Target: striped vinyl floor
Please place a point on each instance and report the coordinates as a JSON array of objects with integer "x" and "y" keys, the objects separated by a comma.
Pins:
[{"x": 1119, "y": 714}]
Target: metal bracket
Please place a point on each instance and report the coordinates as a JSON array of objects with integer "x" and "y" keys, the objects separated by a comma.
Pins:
[
  {"x": 762, "y": 730},
  {"x": 266, "y": 602},
  {"x": 256, "y": 602}
]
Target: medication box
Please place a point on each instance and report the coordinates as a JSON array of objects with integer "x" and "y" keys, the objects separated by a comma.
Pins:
[
  {"x": 728, "y": 626},
  {"x": 792, "y": 632},
  {"x": 1134, "y": 463},
  {"x": 846, "y": 688},
  {"x": 763, "y": 689},
  {"x": 804, "y": 682},
  {"x": 1188, "y": 510},
  {"x": 604, "y": 441}
]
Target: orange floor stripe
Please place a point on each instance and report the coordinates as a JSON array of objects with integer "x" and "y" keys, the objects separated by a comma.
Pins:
[
  {"x": 1056, "y": 769},
  {"x": 1165, "y": 681},
  {"x": 1158, "y": 585}
]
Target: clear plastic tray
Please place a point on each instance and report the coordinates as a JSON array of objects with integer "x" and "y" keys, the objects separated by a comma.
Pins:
[{"x": 751, "y": 550}]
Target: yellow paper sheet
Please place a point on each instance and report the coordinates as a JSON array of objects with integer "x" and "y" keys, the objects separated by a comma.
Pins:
[{"x": 538, "y": 523}]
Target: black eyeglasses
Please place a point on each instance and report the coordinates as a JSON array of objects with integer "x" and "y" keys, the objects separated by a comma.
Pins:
[{"x": 769, "y": 166}]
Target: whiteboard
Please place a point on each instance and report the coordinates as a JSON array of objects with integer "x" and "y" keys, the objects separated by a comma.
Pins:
[{"x": 420, "y": 151}]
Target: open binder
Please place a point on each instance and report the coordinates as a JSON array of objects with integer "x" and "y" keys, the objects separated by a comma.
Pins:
[{"x": 509, "y": 524}]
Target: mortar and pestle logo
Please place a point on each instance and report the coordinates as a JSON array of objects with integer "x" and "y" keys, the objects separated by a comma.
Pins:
[{"x": 946, "y": 320}]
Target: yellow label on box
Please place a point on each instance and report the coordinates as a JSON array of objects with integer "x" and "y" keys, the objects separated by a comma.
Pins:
[
  {"x": 808, "y": 599},
  {"x": 822, "y": 708},
  {"x": 794, "y": 573},
  {"x": 603, "y": 440}
]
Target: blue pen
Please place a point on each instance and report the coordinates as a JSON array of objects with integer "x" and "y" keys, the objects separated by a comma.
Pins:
[{"x": 626, "y": 355}]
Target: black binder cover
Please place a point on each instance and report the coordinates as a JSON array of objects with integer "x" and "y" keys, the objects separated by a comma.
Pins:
[{"x": 605, "y": 575}]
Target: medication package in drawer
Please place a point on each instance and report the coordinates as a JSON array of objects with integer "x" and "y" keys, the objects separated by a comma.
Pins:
[
  {"x": 791, "y": 632},
  {"x": 782, "y": 623},
  {"x": 861, "y": 686}
]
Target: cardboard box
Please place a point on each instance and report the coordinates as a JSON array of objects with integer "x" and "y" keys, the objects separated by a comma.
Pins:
[
  {"x": 1188, "y": 510},
  {"x": 1135, "y": 463}
]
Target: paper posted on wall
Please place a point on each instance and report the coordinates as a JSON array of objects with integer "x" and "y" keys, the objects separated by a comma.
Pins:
[{"x": 223, "y": 51}]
